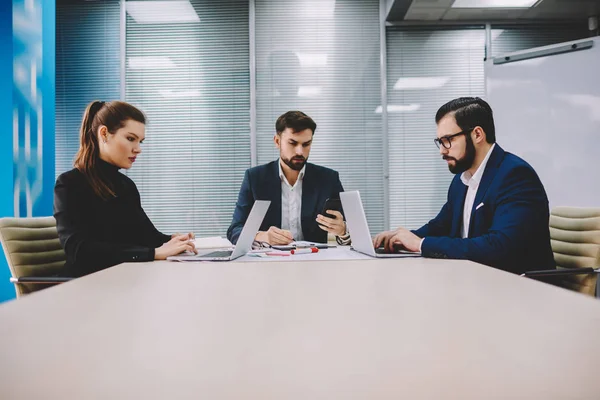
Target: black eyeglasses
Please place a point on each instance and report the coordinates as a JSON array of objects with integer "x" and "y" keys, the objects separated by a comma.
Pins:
[
  {"x": 260, "y": 245},
  {"x": 446, "y": 141}
]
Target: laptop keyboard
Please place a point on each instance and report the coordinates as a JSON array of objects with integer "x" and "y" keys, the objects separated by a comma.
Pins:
[
  {"x": 381, "y": 250},
  {"x": 219, "y": 254}
]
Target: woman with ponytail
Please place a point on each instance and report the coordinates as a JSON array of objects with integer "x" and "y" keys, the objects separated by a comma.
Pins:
[{"x": 98, "y": 212}]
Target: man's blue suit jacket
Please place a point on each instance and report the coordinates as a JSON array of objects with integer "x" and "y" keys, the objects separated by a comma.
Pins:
[
  {"x": 509, "y": 220},
  {"x": 263, "y": 183}
]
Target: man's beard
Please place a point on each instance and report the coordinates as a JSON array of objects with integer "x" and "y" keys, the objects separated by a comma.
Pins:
[
  {"x": 466, "y": 161},
  {"x": 293, "y": 162}
]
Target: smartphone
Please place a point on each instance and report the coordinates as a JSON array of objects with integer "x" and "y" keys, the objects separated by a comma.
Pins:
[{"x": 332, "y": 204}]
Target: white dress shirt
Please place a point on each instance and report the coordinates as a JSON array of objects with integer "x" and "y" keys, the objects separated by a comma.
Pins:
[
  {"x": 291, "y": 204},
  {"x": 472, "y": 181}
]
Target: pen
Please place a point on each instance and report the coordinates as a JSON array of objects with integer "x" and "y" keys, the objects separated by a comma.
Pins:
[
  {"x": 305, "y": 251},
  {"x": 278, "y": 253}
]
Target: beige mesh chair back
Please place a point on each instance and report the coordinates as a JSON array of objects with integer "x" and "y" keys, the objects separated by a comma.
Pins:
[
  {"x": 32, "y": 250},
  {"x": 575, "y": 237}
]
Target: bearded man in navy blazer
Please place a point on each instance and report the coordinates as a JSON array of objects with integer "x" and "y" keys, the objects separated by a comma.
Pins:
[
  {"x": 297, "y": 190},
  {"x": 497, "y": 209}
]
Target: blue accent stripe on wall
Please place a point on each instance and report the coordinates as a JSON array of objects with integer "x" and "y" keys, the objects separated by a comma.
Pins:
[
  {"x": 27, "y": 149},
  {"x": 6, "y": 141},
  {"x": 33, "y": 103}
]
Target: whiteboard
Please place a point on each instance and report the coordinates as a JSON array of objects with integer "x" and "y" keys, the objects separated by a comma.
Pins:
[{"x": 547, "y": 111}]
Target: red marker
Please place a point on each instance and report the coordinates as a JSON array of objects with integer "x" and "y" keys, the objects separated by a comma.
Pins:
[{"x": 305, "y": 251}]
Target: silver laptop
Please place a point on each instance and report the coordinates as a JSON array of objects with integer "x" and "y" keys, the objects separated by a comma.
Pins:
[
  {"x": 359, "y": 229},
  {"x": 244, "y": 243}
]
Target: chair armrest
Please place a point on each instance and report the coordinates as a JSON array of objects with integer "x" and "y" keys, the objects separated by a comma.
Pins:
[
  {"x": 50, "y": 280},
  {"x": 560, "y": 272}
]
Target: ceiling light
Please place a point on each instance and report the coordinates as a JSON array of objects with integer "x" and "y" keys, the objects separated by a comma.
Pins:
[
  {"x": 162, "y": 12},
  {"x": 309, "y": 91},
  {"x": 493, "y": 3},
  {"x": 421, "y": 82},
  {"x": 398, "y": 108}
]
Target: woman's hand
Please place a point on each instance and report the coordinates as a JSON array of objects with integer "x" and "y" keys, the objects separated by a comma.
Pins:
[
  {"x": 190, "y": 235},
  {"x": 177, "y": 245}
]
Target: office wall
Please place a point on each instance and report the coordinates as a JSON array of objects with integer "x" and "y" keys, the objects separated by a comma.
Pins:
[
  {"x": 87, "y": 67},
  {"x": 327, "y": 65},
  {"x": 27, "y": 62},
  {"x": 192, "y": 79},
  {"x": 550, "y": 118},
  {"x": 426, "y": 68}
]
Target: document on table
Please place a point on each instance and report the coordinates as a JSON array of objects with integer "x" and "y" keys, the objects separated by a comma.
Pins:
[
  {"x": 301, "y": 244},
  {"x": 338, "y": 253}
]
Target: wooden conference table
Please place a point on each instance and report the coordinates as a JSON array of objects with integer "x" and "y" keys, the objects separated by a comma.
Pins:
[{"x": 358, "y": 329}]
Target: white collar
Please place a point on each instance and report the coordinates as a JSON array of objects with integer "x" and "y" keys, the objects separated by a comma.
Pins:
[
  {"x": 473, "y": 180},
  {"x": 282, "y": 175}
]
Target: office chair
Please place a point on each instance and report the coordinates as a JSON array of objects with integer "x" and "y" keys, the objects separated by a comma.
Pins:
[
  {"x": 33, "y": 252},
  {"x": 575, "y": 240}
]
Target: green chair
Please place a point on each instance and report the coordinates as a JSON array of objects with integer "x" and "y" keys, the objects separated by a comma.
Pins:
[
  {"x": 34, "y": 255},
  {"x": 575, "y": 239}
]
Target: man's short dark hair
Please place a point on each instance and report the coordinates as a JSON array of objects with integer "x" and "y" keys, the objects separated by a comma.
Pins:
[
  {"x": 470, "y": 112},
  {"x": 297, "y": 121}
]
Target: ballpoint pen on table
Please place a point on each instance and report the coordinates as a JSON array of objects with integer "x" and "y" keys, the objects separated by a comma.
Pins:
[{"x": 278, "y": 253}]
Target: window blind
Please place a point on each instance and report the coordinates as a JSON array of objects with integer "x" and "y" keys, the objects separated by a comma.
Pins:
[
  {"x": 187, "y": 67},
  {"x": 326, "y": 64},
  {"x": 87, "y": 67},
  {"x": 426, "y": 68}
]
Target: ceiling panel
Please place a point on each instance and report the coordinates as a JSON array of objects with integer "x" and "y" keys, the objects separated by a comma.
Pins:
[
  {"x": 482, "y": 14},
  {"x": 425, "y": 14},
  {"x": 432, "y": 10},
  {"x": 431, "y": 3}
]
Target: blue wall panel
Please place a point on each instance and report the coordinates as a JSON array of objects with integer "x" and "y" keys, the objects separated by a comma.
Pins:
[
  {"x": 6, "y": 136},
  {"x": 27, "y": 108}
]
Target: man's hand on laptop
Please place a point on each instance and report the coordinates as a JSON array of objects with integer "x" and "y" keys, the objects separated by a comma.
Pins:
[
  {"x": 381, "y": 239},
  {"x": 275, "y": 236},
  {"x": 399, "y": 239},
  {"x": 336, "y": 225}
]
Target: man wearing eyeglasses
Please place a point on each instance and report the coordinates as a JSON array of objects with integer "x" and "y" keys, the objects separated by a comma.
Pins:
[{"x": 497, "y": 209}]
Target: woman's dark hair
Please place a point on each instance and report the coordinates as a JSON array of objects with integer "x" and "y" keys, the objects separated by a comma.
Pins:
[{"x": 113, "y": 115}]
